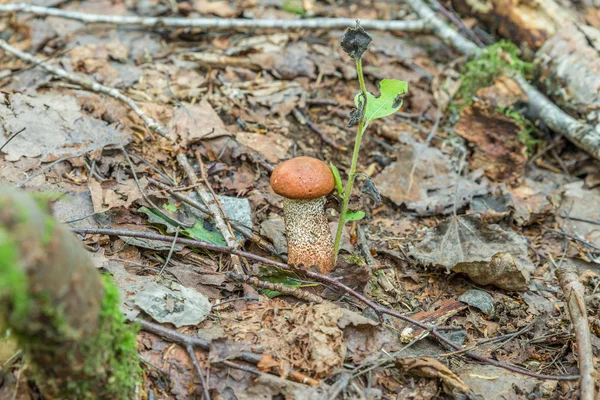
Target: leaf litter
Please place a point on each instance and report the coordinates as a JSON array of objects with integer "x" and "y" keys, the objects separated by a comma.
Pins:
[{"x": 229, "y": 96}]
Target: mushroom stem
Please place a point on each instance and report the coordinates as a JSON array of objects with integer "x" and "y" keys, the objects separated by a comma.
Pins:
[{"x": 308, "y": 234}]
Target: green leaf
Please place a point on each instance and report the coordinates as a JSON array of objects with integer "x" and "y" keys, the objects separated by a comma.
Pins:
[
  {"x": 354, "y": 215},
  {"x": 170, "y": 207},
  {"x": 199, "y": 232},
  {"x": 337, "y": 178},
  {"x": 156, "y": 216},
  {"x": 270, "y": 293},
  {"x": 388, "y": 102}
]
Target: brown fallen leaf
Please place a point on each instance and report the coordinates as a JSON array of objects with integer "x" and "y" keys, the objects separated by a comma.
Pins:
[
  {"x": 191, "y": 123},
  {"x": 425, "y": 180},
  {"x": 432, "y": 368},
  {"x": 498, "y": 150},
  {"x": 273, "y": 146},
  {"x": 488, "y": 254}
]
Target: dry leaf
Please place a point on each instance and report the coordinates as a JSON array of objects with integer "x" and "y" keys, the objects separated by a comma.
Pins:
[
  {"x": 432, "y": 368},
  {"x": 488, "y": 254},
  {"x": 498, "y": 150},
  {"x": 192, "y": 123},
  {"x": 424, "y": 179}
]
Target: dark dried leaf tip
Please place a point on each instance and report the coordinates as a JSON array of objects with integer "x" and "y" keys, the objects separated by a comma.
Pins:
[
  {"x": 357, "y": 113},
  {"x": 356, "y": 41}
]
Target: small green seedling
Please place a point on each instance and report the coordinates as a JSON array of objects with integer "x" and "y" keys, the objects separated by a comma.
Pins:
[{"x": 368, "y": 108}]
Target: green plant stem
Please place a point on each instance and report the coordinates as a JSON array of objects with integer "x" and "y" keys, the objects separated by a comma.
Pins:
[{"x": 352, "y": 173}]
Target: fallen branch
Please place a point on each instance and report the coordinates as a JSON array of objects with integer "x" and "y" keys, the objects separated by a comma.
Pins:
[
  {"x": 575, "y": 303},
  {"x": 280, "y": 287},
  {"x": 216, "y": 211},
  {"x": 86, "y": 84},
  {"x": 216, "y": 23},
  {"x": 379, "y": 309}
]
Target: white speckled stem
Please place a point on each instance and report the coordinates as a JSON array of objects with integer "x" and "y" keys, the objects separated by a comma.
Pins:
[{"x": 308, "y": 234}]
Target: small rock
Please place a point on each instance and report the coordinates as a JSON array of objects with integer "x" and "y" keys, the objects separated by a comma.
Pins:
[{"x": 479, "y": 299}]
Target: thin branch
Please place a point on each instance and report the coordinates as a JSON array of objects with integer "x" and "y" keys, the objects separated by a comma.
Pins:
[
  {"x": 194, "y": 341},
  {"x": 584, "y": 136},
  {"x": 442, "y": 30},
  {"x": 190, "y": 350},
  {"x": 190, "y": 242},
  {"x": 11, "y": 138},
  {"x": 86, "y": 84},
  {"x": 217, "y": 23},
  {"x": 46, "y": 168},
  {"x": 280, "y": 287},
  {"x": 379, "y": 309},
  {"x": 574, "y": 301}
]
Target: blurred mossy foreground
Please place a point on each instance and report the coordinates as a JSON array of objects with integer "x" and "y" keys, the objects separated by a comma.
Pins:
[{"x": 63, "y": 314}]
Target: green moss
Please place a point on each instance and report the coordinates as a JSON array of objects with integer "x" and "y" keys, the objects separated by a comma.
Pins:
[
  {"x": 501, "y": 58},
  {"x": 498, "y": 59},
  {"x": 13, "y": 282},
  {"x": 293, "y": 7},
  {"x": 120, "y": 341}
]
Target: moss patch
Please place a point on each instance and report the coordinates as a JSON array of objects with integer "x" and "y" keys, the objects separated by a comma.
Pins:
[
  {"x": 498, "y": 59},
  {"x": 116, "y": 335},
  {"x": 501, "y": 58},
  {"x": 13, "y": 285}
]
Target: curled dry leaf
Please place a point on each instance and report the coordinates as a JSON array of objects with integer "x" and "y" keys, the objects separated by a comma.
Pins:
[
  {"x": 488, "y": 254},
  {"x": 432, "y": 368},
  {"x": 305, "y": 338}
]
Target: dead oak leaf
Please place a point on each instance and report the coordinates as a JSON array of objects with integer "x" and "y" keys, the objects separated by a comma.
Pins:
[{"x": 488, "y": 254}]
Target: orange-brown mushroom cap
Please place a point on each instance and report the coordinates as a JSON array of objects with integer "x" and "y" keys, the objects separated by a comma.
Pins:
[{"x": 302, "y": 178}]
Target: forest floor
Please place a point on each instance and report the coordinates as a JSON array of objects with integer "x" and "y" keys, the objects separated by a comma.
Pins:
[{"x": 470, "y": 209}]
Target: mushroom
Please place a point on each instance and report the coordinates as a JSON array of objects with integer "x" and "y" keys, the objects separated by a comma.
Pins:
[{"x": 304, "y": 182}]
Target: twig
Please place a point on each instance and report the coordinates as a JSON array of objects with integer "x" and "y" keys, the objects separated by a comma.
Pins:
[
  {"x": 442, "y": 30},
  {"x": 364, "y": 247},
  {"x": 440, "y": 337},
  {"x": 11, "y": 138},
  {"x": 582, "y": 135},
  {"x": 214, "y": 210},
  {"x": 185, "y": 340},
  {"x": 287, "y": 290},
  {"x": 190, "y": 350},
  {"x": 379, "y": 309},
  {"x": 214, "y": 195},
  {"x": 185, "y": 241},
  {"x": 457, "y": 22},
  {"x": 86, "y": 84},
  {"x": 217, "y": 23},
  {"x": 305, "y": 121},
  {"x": 46, "y": 168},
  {"x": 170, "y": 253},
  {"x": 578, "y": 239},
  {"x": 575, "y": 303}
]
